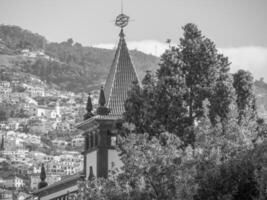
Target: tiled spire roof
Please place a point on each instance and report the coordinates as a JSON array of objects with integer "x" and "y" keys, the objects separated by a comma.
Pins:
[{"x": 120, "y": 78}]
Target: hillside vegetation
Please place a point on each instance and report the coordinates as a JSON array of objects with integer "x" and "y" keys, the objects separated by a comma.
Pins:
[{"x": 69, "y": 65}]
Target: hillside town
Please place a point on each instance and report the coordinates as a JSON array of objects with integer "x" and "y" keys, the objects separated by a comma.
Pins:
[
  {"x": 81, "y": 121},
  {"x": 38, "y": 129}
]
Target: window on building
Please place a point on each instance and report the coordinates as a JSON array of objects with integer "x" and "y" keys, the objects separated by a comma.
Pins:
[
  {"x": 91, "y": 140},
  {"x": 113, "y": 140},
  {"x": 96, "y": 139}
]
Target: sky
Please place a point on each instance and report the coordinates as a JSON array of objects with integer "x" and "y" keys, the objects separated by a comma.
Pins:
[{"x": 238, "y": 27}]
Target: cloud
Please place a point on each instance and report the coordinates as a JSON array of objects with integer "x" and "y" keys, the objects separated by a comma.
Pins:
[{"x": 251, "y": 58}]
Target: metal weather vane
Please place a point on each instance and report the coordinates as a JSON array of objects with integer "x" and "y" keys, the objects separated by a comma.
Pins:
[{"x": 122, "y": 20}]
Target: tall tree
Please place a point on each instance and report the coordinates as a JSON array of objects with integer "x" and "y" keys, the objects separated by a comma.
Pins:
[
  {"x": 222, "y": 101},
  {"x": 246, "y": 100},
  {"x": 42, "y": 183},
  {"x": 188, "y": 74}
]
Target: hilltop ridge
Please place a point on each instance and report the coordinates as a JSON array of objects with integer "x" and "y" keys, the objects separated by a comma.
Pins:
[{"x": 68, "y": 64}]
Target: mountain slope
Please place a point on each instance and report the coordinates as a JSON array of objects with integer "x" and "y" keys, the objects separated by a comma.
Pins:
[{"x": 69, "y": 65}]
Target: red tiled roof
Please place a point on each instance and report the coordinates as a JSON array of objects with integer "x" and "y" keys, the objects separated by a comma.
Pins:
[{"x": 120, "y": 78}]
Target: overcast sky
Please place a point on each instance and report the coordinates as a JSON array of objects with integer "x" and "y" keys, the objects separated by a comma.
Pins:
[
  {"x": 236, "y": 26},
  {"x": 228, "y": 22}
]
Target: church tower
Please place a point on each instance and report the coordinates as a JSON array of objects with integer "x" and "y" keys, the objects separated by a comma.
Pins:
[
  {"x": 98, "y": 128},
  {"x": 99, "y": 152}
]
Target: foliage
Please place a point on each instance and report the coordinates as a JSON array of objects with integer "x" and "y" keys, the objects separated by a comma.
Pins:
[
  {"x": 17, "y": 38},
  {"x": 70, "y": 65},
  {"x": 246, "y": 100},
  {"x": 172, "y": 100},
  {"x": 223, "y": 165},
  {"x": 8, "y": 110},
  {"x": 19, "y": 89},
  {"x": 193, "y": 145},
  {"x": 240, "y": 178},
  {"x": 151, "y": 171},
  {"x": 228, "y": 161}
]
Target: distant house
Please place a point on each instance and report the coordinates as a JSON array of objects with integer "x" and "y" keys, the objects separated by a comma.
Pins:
[
  {"x": 34, "y": 91},
  {"x": 30, "y": 100},
  {"x": 55, "y": 168},
  {"x": 48, "y": 112},
  {"x": 77, "y": 141},
  {"x": 14, "y": 181},
  {"x": 6, "y": 194},
  {"x": 60, "y": 143},
  {"x": 5, "y": 84},
  {"x": 5, "y": 88},
  {"x": 63, "y": 126},
  {"x": 13, "y": 124},
  {"x": 34, "y": 139}
]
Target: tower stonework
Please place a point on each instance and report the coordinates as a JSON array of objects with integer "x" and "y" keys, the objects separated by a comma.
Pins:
[{"x": 99, "y": 152}]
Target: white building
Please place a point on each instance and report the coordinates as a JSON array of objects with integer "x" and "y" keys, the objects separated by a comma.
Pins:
[
  {"x": 48, "y": 112},
  {"x": 14, "y": 181},
  {"x": 60, "y": 143}
]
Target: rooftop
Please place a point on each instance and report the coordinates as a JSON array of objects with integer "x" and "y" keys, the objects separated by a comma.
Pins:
[{"x": 121, "y": 76}]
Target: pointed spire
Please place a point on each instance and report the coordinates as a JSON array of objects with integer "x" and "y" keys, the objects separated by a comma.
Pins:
[
  {"x": 102, "y": 99},
  {"x": 102, "y": 109},
  {"x": 120, "y": 79},
  {"x": 43, "y": 174},
  {"x": 91, "y": 173},
  {"x": 42, "y": 183},
  {"x": 122, "y": 34},
  {"x": 89, "y": 108}
]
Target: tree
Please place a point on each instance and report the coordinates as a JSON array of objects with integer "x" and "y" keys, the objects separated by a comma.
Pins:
[
  {"x": 173, "y": 99},
  {"x": 222, "y": 101},
  {"x": 222, "y": 165},
  {"x": 246, "y": 100},
  {"x": 134, "y": 107},
  {"x": 70, "y": 41},
  {"x": 42, "y": 183},
  {"x": 151, "y": 171},
  {"x": 240, "y": 178},
  {"x": 168, "y": 41}
]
